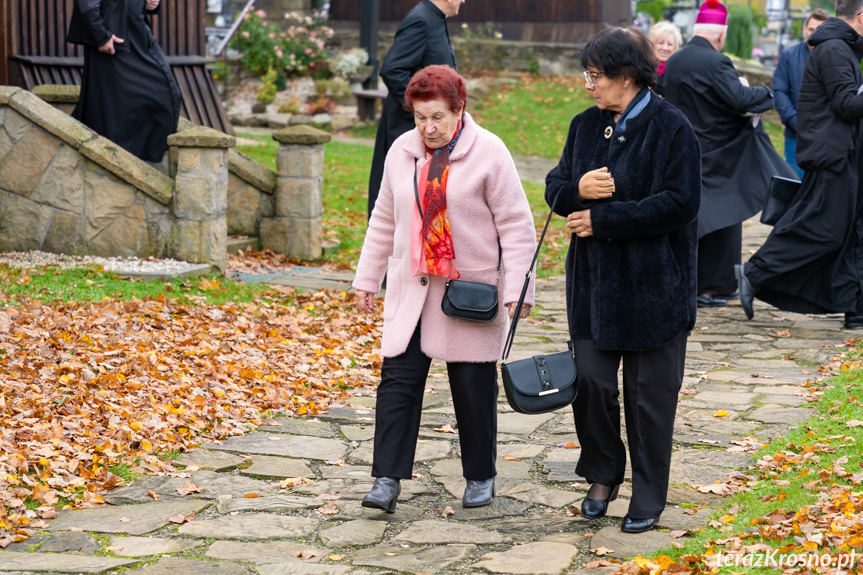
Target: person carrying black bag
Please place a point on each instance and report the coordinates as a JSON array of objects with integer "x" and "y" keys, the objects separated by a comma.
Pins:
[
  {"x": 811, "y": 261},
  {"x": 629, "y": 184}
]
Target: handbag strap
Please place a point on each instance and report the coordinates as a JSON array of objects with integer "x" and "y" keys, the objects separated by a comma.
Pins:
[{"x": 514, "y": 324}]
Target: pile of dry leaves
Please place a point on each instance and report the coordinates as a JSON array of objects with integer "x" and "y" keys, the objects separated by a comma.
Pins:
[{"x": 84, "y": 387}]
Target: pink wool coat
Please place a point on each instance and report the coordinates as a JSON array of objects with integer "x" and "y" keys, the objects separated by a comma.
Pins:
[{"x": 485, "y": 201}]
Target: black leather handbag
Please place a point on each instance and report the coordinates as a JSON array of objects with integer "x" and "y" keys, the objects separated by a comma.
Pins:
[
  {"x": 544, "y": 382},
  {"x": 470, "y": 300},
  {"x": 780, "y": 193}
]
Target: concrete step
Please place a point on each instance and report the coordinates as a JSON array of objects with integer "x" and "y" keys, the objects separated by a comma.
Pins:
[{"x": 240, "y": 243}]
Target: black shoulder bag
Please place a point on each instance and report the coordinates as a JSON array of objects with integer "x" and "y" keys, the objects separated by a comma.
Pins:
[
  {"x": 544, "y": 382},
  {"x": 471, "y": 301}
]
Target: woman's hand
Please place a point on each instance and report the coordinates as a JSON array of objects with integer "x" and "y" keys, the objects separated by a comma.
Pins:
[
  {"x": 596, "y": 185},
  {"x": 365, "y": 301},
  {"x": 579, "y": 223},
  {"x": 152, "y": 4},
  {"x": 108, "y": 47},
  {"x": 525, "y": 309}
]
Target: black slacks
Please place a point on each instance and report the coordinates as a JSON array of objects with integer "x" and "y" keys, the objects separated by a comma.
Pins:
[
  {"x": 651, "y": 382},
  {"x": 399, "y": 407},
  {"x": 718, "y": 253}
]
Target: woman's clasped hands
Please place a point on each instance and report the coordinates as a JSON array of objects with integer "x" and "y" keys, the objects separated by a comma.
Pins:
[{"x": 596, "y": 185}]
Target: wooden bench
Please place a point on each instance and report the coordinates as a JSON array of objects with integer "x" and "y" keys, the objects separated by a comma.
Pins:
[{"x": 366, "y": 102}]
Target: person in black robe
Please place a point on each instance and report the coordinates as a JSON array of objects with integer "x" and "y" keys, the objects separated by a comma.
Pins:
[
  {"x": 421, "y": 40},
  {"x": 128, "y": 92},
  {"x": 737, "y": 156},
  {"x": 811, "y": 261}
]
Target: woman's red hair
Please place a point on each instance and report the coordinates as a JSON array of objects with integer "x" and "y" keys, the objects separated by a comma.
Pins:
[{"x": 437, "y": 83}]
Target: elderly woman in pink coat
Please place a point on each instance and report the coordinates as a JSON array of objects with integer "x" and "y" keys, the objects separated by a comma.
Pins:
[{"x": 451, "y": 206}]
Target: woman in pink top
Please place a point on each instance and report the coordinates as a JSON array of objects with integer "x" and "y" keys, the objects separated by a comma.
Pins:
[{"x": 451, "y": 206}]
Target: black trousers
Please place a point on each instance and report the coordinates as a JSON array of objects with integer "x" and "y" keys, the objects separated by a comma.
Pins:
[
  {"x": 399, "y": 407},
  {"x": 718, "y": 253},
  {"x": 651, "y": 382}
]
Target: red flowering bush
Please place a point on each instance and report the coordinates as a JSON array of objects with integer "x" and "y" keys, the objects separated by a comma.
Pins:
[{"x": 296, "y": 44}]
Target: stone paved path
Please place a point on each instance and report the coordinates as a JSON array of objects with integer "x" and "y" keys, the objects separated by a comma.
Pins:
[{"x": 246, "y": 524}]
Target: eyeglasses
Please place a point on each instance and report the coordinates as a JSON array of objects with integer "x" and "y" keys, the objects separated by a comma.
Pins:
[{"x": 590, "y": 77}]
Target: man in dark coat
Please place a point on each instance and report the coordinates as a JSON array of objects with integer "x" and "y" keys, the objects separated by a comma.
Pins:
[
  {"x": 128, "y": 92},
  {"x": 786, "y": 85},
  {"x": 810, "y": 263},
  {"x": 737, "y": 156},
  {"x": 421, "y": 40}
]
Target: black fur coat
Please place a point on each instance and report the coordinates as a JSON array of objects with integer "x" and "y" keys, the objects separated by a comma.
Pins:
[{"x": 632, "y": 286}]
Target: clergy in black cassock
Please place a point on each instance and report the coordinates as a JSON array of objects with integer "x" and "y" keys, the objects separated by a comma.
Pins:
[
  {"x": 737, "y": 157},
  {"x": 811, "y": 262},
  {"x": 128, "y": 92},
  {"x": 421, "y": 40}
]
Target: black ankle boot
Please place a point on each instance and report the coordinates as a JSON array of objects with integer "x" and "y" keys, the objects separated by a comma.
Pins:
[
  {"x": 478, "y": 493},
  {"x": 384, "y": 494}
]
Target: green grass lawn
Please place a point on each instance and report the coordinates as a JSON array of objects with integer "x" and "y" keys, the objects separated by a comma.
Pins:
[{"x": 93, "y": 284}]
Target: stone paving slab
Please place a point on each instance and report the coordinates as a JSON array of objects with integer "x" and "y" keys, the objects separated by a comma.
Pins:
[
  {"x": 306, "y": 569},
  {"x": 177, "y": 566},
  {"x": 355, "y": 532},
  {"x": 627, "y": 545},
  {"x": 250, "y": 526},
  {"x": 214, "y": 485},
  {"x": 269, "y": 467},
  {"x": 131, "y": 519},
  {"x": 209, "y": 460},
  {"x": 284, "y": 445},
  {"x": 427, "y": 450},
  {"x": 128, "y": 546},
  {"x": 276, "y": 503},
  {"x": 426, "y": 560},
  {"x": 271, "y": 552},
  {"x": 58, "y": 562},
  {"x": 438, "y": 532},
  {"x": 540, "y": 558}
]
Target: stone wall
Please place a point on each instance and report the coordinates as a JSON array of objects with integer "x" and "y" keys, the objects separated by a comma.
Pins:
[{"x": 65, "y": 189}]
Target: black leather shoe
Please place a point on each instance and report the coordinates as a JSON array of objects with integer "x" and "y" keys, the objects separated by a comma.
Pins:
[
  {"x": 633, "y": 525},
  {"x": 596, "y": 508},
  {"x": 747, "y": 291},
  {"x": 384, "y": 494},
  {"x": 853, "y": 320},
  {"x": 478, "y": 493},
  {"x": 706, "y": 300}
]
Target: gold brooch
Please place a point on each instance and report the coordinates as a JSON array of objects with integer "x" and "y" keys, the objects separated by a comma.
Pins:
[{"x": 608, "y": 132}]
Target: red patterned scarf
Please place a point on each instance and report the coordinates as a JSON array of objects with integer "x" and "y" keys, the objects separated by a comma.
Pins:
[{"x": 438, "y": 250}]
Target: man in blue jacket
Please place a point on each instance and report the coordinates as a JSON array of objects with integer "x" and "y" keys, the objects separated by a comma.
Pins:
[{"x": 786, "y": 85}]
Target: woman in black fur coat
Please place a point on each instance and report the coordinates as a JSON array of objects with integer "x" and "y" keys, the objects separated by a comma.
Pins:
[{"x": 629, "y": 184}]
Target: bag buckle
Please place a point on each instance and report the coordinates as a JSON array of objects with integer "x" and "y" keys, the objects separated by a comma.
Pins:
[{"x": 549, "y": 392}]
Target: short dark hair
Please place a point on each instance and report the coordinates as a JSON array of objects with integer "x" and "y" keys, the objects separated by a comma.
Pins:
[
  {"x": 622, "y": 52},
  {"x": 848, "y": 9},
  {"x": 437, "y": 83},
  {"x": 820, "y": 14}
]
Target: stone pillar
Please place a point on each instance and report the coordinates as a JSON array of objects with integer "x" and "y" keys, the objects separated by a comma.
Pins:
[
  {"x": 200, "y": 203},
  {"x": 295, "y": 228}
]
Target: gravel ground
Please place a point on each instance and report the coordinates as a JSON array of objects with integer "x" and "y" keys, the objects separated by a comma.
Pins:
[{"x": 35, "y": 259}]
